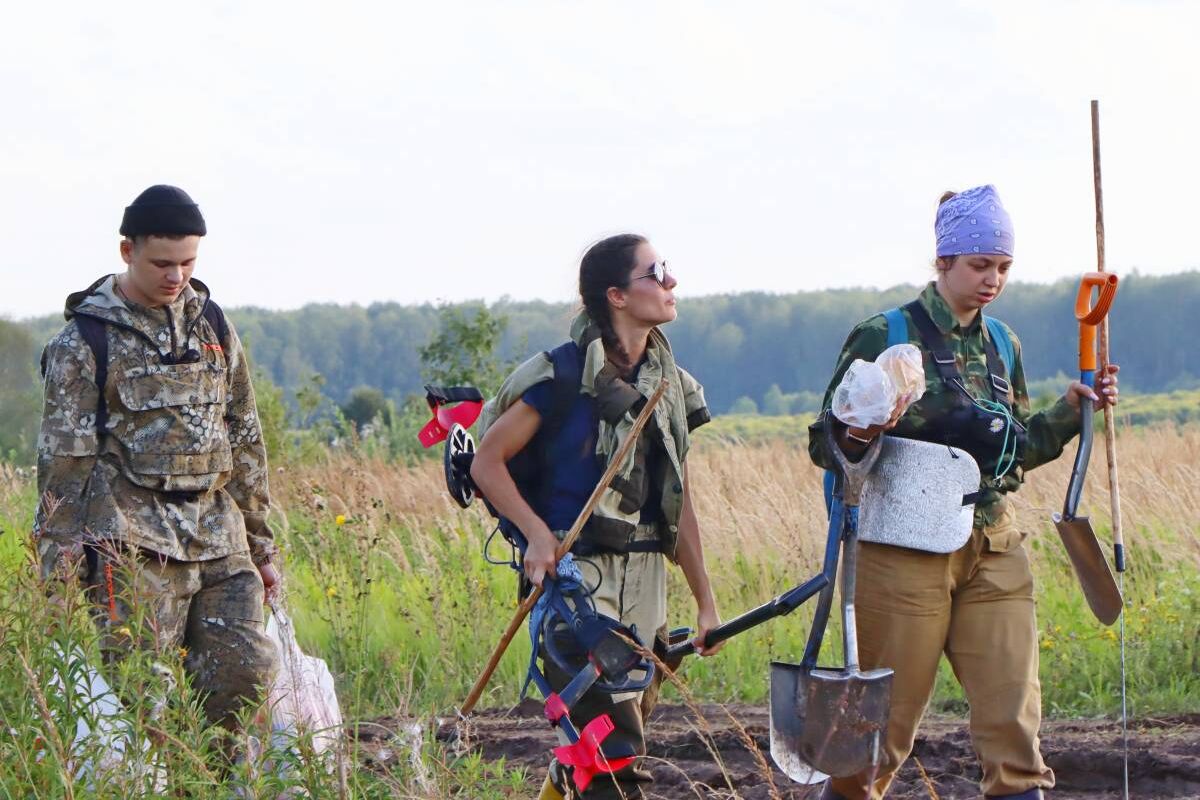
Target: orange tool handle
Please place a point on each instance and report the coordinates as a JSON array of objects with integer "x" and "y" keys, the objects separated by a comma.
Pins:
[{"x": 1089, "y": 315}]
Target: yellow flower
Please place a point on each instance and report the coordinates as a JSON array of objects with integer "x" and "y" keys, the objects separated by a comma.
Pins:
[
  {"x": 1109, "y": 634},
  {"x": 183, "y": 651},
  {"x": 124, "y": 631},
  {"x": 340, "y": 519},
  {"x": 1048, "y": 644},
  {"x": 331, "y": 591}
]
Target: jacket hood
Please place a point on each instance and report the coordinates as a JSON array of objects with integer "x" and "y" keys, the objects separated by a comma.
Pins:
[{"x": 102, "y": 301}]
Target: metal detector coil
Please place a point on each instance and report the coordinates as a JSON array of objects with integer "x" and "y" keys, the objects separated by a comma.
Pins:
[{"x": 456, "y": 461}]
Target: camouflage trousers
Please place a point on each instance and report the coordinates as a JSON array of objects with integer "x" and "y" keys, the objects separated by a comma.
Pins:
[{"x": 210, "y": 610}]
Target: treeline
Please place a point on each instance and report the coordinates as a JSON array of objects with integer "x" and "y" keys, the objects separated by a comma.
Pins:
[{"x": 769, "y": 352}]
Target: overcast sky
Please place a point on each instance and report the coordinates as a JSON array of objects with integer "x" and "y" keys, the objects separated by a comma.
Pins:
[{"x": 347, "y": 152}]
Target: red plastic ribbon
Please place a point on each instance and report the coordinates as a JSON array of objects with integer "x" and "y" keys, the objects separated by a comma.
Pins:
[
  {"x": 555, "y": 708},
  {"x": 585, "y": 756},
  {"x": 438, "y": 428}
]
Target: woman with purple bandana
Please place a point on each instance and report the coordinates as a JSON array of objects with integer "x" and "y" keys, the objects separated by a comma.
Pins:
[{"x": 975, "y": 604}]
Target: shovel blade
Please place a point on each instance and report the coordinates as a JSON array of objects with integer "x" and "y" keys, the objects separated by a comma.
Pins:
[
  {"x": 846, "y": 719},
  {"x": 787, "y": 723},
  {"x": 1091, "y": 567}
]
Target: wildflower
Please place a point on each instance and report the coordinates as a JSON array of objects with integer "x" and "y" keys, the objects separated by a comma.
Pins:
[
  {"x": 331, "y": 591},
  {"x": 183, "y": 651},
  {"x": 1108, "y": 634},
  {"x": 124, "y": 631},
  {"x": 1048, "y": 644},
  {"x": 340, "y": 519}
]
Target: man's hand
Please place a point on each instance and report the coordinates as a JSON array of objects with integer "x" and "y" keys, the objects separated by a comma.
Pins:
[{"x": 271, "y": 580}]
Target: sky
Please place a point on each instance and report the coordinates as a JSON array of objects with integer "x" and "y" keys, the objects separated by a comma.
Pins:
[{"x": 366, "y": 152}]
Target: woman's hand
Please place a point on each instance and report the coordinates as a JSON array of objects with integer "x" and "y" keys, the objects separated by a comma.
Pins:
[
  {"x": 706, "y": 620},
  {"x": 540, "y": 558},
  {"x": 849, "y": 439},
  {"x": 1105, "y": 393}
]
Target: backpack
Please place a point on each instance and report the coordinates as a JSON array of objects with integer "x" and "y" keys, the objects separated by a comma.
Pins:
[
  {"x": 93, "y": 330},
  {"x": 529, "y": 466},
  {"x": 897, "y": 333}
]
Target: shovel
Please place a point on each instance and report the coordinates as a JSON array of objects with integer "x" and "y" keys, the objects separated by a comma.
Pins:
[
  {"x": 1099, "y": 588},
  {"x": 831, "y": 722}
]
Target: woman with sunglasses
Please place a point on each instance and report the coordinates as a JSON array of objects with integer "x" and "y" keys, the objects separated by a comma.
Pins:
[
  {"x": 974, "y": 604},
  {"x": 646, "y": 517}
]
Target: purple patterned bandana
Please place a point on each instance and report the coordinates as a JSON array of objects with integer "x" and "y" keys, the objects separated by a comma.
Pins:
[{"x": 973, "y": 221}]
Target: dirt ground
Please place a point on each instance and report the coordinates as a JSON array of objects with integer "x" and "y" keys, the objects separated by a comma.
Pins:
[{"x": 1164, "y": 755}]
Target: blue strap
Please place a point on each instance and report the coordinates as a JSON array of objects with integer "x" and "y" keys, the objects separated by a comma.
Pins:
[
  {"x": 897, "y": 327},
  {"x": 569, "y": 578},
  {"x": 1003, "y": 343}
]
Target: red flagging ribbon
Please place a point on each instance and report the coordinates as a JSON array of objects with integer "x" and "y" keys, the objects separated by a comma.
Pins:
[
  {"x": 438, "y": 428},
  {"x": 585, "y": 756}
]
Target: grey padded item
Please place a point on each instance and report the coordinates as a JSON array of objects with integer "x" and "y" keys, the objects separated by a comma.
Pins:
[{"x": 914, "y": 496}]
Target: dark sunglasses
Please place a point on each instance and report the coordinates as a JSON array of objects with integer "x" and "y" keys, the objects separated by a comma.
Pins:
[{"x": 658, "y": 271}]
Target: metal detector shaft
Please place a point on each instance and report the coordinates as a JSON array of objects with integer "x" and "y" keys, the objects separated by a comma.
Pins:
[{"x": 785, "y": 603}]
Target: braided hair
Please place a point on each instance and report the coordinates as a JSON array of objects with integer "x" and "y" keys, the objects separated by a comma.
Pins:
[{"x": 608, "y": 263}]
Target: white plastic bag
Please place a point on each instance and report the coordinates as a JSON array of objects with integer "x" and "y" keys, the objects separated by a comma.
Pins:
[
  {"x": 865, "y": 397},
  {"x": 903, "y": 365},
  {"x": 302, "y": 698},
  {"x": 101, "y": 727}
]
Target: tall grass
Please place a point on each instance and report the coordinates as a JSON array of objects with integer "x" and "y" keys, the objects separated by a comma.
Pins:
[{"x": 386, "y": 582}]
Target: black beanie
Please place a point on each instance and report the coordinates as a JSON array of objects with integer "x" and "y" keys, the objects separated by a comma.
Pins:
[{"x": 163, "y": 211}]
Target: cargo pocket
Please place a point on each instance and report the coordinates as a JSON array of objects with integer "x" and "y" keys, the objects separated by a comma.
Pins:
[
  {"x": 176, "y": 422},
  {"x": 1003, "y": 535}
]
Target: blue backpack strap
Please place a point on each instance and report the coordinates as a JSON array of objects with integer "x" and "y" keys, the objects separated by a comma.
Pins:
[
  {"x": 1003, "y": 342},
  {"x": 897, "y": 327},
  {"x": 897, "y": 333}
]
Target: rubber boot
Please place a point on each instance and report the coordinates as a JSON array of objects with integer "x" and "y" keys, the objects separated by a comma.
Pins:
[{"x": 550, "y": 791}]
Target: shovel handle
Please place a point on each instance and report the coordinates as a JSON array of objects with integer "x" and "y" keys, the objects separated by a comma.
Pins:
[
  {"x": 785, "y": 603},
  {"x": 1090, "y": 315}
]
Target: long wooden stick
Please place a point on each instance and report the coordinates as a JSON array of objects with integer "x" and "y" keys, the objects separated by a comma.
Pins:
[
  {"x": 1110, "y": 428},
  {"x": 564, "y": 546}
]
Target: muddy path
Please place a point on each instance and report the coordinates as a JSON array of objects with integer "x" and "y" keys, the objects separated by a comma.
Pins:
[{"x": 1085, "y": 755}]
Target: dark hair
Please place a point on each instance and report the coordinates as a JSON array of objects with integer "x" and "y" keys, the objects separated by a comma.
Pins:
[
  {"x": 948, "y": 261},
  {"x": 607, "y": 263}
]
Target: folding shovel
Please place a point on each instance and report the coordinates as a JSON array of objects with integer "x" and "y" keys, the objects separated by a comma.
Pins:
[
  {"x": 830, "y": 721},
  {"x": 1091, "y": 567}
]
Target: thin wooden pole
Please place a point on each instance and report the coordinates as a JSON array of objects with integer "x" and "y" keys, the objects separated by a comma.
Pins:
[
  {"x": 1110, "y": 441},
  {"x": 564, "y": 546},
  {"x": 1110, "y": 428}
]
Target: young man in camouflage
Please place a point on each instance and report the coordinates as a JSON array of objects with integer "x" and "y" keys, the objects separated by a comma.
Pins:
[
  {"x": 976, "y": 604},
  {"x": 151, "y": 466}
]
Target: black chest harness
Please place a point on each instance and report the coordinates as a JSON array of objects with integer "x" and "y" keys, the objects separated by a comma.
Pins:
[{"x": 986, "y": 429}]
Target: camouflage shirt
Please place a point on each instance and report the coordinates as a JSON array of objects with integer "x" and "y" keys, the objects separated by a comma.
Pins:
[
  {"x": 180, "y": 468},
  {"x": 1048, "y": 431}
]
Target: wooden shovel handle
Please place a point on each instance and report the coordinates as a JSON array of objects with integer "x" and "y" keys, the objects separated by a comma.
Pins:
[
  {"x": 1110, "y": 429},
  {"x": 564, "y": 547}
]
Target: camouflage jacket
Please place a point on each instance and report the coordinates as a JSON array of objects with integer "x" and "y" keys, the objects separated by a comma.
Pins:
[
  {"x": 180, "y": 468},
  {"x": 1048, "y": 431}
]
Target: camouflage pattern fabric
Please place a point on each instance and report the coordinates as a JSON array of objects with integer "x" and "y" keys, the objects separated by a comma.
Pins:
[
  {"x": 181, "y": 468},
  {"x": 681, "y": 410},
  {"x": 211, "y": 609},
  {"x": 1048, "y": 431}
]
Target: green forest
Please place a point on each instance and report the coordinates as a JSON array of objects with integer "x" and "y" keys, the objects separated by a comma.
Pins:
[{"x": 754, "y": 352}]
